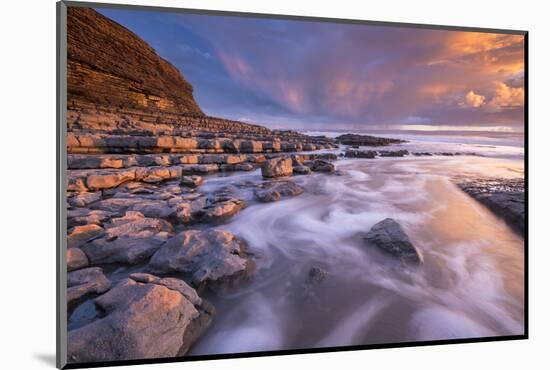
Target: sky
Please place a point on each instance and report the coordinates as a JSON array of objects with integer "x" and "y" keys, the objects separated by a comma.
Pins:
[{"x": 317, "y": 75}]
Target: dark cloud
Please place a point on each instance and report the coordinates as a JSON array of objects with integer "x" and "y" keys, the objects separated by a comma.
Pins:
[{"x": 319, "y": 75}]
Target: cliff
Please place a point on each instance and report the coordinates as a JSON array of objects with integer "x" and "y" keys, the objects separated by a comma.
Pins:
[{"x": 111, "y": 67}]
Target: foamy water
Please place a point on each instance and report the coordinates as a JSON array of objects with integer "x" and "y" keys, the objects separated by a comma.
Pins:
[
  {"x": 470, "y": 284},
  {"x": 489, "y": 144}
]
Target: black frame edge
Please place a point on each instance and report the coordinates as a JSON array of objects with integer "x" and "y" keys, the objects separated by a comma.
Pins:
[
  {"x": 61, "y": 363},
  {"x": 290, "y": 17}
]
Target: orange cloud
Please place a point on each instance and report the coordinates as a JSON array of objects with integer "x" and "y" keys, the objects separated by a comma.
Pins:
[
  {"x": 493, "y": 53},
  {"x": 506, "y": 97},
  {"x": 473, "y": 100}
]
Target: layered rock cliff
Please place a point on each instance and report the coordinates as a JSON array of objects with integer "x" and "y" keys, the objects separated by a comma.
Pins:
[{"x": 111, "y": 67}]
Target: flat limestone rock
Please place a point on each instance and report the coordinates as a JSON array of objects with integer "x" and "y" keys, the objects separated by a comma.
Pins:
[
  {"x": 276, "y": 190},
  {"x": 76, "y": 259},
  {"x": 81, "y": 283},
  {"x": 144, "y": 317},
  {"x": 87, "y": 216},
  {"x": 82, "y": 234},
  {"x": 209, "y": 256},
  {"x": 390, "y": 238},
  {"x": 153, "y": 208},
  {"x": 130, "y": 239},
  {"x": 220, "y": 209},
  {"x": 84, "y": 199}
]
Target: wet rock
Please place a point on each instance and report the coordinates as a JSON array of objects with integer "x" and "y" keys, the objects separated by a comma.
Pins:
[
  {"x": 395, "y": 153},
  {"x": 85, "y": 282},
  {"x": 275, "y": 190},
  {"x": 192, "y": 181},
  {"x": 504, "y": 197},
  {"x": 220, "y": 209},
  {"x": 321, "y": 165},
  {"x": 76, "y": 259},
  {"x": 365, "y": 140},
  {"x": 316, "y": 275},
  {"x": 389, "y": 237},
  {"x": 360, "y": 154},
  {"x": 144, "y": 317},
  {"x": 209, "y": 256},
  {"x": 277, "y": 167},
  {"x": 300, "y": 169}
]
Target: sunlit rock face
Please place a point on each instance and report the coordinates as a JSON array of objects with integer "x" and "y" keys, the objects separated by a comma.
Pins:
[
  {"x": 144, "y": 317},
  {"x": 110, "y": 66}
]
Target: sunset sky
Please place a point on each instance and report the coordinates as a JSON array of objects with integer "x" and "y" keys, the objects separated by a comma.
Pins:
[{"x": 296, "y": 74}]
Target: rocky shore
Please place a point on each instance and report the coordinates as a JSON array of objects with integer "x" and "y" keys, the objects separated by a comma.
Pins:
[
  {"x": 146, "y": 237},
  {"x": 505, "y": 197}
]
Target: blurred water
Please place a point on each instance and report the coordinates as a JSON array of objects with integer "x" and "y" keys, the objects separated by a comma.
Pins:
[{"x": 470, "y": 284}]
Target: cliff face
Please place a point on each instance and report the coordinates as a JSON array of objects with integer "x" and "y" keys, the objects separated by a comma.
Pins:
[{"x": 110, "y": 67}]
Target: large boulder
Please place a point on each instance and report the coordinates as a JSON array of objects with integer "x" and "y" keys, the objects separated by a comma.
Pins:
[
  {"x": 144, "y": 317},
  {"x": 209, "y": 256},
  {"x": 275, "y": 190},
  {"x": 390, "y": 238},
  {"x": 277, "y": 167}
]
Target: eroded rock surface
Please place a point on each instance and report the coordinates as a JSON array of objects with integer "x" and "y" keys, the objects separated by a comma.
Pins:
[
  {"x": 277, "y": 167},
  {"x": 504, "y": 197},
  {"x": 144, "y": 317},
  {"x": 76, "y": 259},
  {"x": 85, "y": 282},
  {"x": 208, "y": 256},
  {"x": 129, "y": 239},
  {"x": 276, "y": 190}
]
